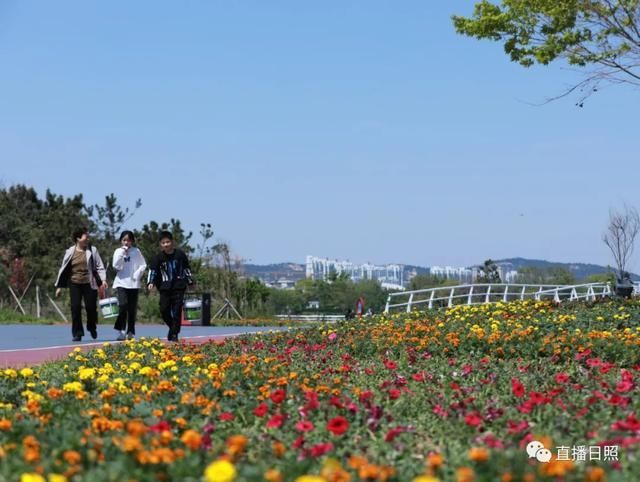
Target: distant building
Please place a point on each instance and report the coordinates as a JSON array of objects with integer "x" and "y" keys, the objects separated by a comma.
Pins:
[{"x": 323, "y": 268}]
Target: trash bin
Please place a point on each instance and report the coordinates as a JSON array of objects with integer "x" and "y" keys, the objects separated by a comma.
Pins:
[
  {"x": 109, "y": 307},
  {"x": 193, "y": 312}
]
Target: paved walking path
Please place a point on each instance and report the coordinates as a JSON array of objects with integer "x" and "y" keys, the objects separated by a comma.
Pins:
[{"x": 22, "y": 345}]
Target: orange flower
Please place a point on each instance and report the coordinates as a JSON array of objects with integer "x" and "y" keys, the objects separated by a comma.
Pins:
[
  {"x": 434, "y": 461},
  {"x": 30, "y": 449},
  {"x": 191, "y": 439},
  {"x": 478, "y": 454},
  {"x": 556, "y": 468},
  {"x": 273, "y": 475},
  {"x": 54, "y": 393},
  {"x": 131, "y": 444},
  {"x": 465, "y": 474},
  {"x": 356, "y": 461},
  {"x": 137, "y": 428},
  {"x": 278, "y": 449},
  {"x": 5, "y": 424},
  {"x": 506, "y": 477},
  {"x": 71, "y": 457},
  {"x": 595, "y": 474},
  {"x": 236, "y": 444}
]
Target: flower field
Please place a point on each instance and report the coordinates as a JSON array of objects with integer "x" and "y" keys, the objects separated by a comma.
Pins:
[{"x": 452, "y": 395}]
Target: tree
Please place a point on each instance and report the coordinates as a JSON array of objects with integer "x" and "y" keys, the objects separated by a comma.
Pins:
[
  {"x": 424, "y": 281},
  {"x": 148, "y": 238},
  {"x": 488, "y": 273},
  {"x": 621, "y": 234},
  {"x": 602, "y": 36},
  {"x": 553, "y": 275}
]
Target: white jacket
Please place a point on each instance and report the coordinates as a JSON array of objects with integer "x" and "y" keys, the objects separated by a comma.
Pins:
[{"x": 130, "y": 266}]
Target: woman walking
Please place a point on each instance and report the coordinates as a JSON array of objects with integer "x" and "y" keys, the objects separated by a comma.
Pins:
[
  {"x": 82, "y": 272},
  {"x": 130, "y": 266}
]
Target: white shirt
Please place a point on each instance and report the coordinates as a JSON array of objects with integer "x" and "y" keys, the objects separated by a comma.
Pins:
[{"x": 130, "y": 266}]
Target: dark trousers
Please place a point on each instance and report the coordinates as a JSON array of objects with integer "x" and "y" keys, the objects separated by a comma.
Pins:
[
  {"x": 90, "y": 296},
  {"x": 127, "y": 310},
  {"x": 171, "y": 303}
]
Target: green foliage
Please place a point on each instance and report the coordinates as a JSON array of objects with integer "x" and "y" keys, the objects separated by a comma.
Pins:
[
  {"x": 598, "y": 33},
  {"x": 37, "y": 232},
  {"x": 148, "y": 239},
  {"x": 552, "y": 275},
  {"x": 424, "y": 281}
]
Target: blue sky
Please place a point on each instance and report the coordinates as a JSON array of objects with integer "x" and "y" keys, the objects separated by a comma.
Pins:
[{"x": 366, "y": 131}]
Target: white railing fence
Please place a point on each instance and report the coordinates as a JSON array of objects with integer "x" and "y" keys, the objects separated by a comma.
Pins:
[{"x": 474, "y": 294}]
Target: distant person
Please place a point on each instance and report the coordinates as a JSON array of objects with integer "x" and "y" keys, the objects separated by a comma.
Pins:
[
  {"x": 360, "y": 307},
  {"x": 349, "y": 314},
  {"x": 170, "y": 273},
  {"x": 130, "y": 266},
  {"x": 82, "y": 272}
]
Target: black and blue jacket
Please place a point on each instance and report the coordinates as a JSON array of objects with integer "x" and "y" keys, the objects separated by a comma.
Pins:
[{"x": 170, "y": 271}]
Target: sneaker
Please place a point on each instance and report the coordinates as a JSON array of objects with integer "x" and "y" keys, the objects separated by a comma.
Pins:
[
  {"x": 131, "y": 336},
  {"x": 121, "y": 336},
  {"x": 94, "y": 334},
  {"x": 77, "y": 338}
]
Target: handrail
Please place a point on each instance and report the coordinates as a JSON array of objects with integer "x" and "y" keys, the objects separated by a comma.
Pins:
[{"x": 482, "y": 293}]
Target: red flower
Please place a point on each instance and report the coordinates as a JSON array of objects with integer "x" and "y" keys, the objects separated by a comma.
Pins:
[
  {"x": 418, "y": 377},
  {"x": 161, "y": 426},
  {"x": 321, "y": 449},
  {"x": 394, "y": 393},
  {"x": 338, "y": 425},
  {"x": 438, "y": 410},
  {"x": 632, "y": 424},
  {"x": 277, "y": 396},
  {"x": 393, "y": 433},
  {"x": 517, "y": 427},
  {"x": 391, "y": 365},
  {"x": 562, "y": 378},
  {"x": 304, "y": 426},
  {"x": 473, "y": 419},
  {"x": 276, "y": 421},
  {"x": 517, "y": 387},
  {"x": 225, "y": 416},
  {"x": 261, "y": 410}
]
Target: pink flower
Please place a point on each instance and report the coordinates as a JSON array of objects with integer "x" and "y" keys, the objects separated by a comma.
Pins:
[{"x": 304, "y": 426}]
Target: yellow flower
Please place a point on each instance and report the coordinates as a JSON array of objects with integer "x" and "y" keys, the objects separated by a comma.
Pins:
[
  {"x": 32, "y": 477},
  {"x": 311, "y": 478},
  {"x": 26, "y": 372},
  {"x": 425, "y": 478},
  {"x": 57, "y": 478},
  {"x": 220, "y": 471},
  {"x": 86, "y": 373},
  {"x": 72, "y": 387}
]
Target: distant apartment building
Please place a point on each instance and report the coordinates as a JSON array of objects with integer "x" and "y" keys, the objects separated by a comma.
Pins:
[{"x": 390, "y": 276}]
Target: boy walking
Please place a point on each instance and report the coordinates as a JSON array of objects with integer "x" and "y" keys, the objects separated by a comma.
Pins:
[{"x": 170, "y": 274}]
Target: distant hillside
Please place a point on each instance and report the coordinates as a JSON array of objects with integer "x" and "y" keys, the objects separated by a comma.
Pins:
[
  {"x": 274, "y": 272},
  {"x": 579, "y": 270},
  {"x": 296, "y": 271}
]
